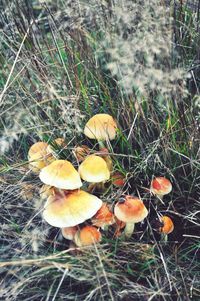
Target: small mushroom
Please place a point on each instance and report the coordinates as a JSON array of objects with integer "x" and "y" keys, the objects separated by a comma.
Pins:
[
  {"x": 101, "y": 127},
  {"x": 87, "y": 236},
  {"x": 167, "y": 227},
  {"x": 46, "y": 191},
  {"x": 103, "y": 218},
  {"x": 81, "y": 152},
  {"x": 130, "y": 210},
  {"x": 69, "y": 232},
  {"x": 118, "y": 179},
  {"x": 61, "y": 174},
  {"x": 160, "y": 186},
  {"x": 38, "y": 156},
  {"x": 94, "y": 170}
]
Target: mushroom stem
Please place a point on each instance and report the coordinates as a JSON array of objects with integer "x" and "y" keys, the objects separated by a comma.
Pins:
[
  {"x": 101, "y": 144},
  {"x": 128, "y": 231},
  {"x": 164, "y": 238},
  {"x": 160, "y": 197}
]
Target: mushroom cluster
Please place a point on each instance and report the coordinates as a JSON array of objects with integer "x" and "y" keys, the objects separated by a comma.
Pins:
[{"x": 69, "y": 192}]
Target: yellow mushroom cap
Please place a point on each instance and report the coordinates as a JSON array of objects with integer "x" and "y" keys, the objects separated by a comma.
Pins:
[
  {"x": 132, "y": 210},
  {"x": 39, "y": 156},
  {"x": 101, "y": 127},
  {"x": 87, "y": 236},
  {"x": 71, "y": 209},
  {"x": 94, "y": 169},
  {"x": 61, "y": 174},
  {"x": 168, "y": 225},
  {"x": 39, "y": 148},
  {"x": 161, "y": 186}
]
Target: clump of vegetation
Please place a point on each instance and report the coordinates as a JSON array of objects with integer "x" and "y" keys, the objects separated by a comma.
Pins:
[{"x": 62, "y": 63}]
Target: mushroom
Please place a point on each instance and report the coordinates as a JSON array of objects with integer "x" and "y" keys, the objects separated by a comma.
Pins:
[
  {"x": 167, "y": 227},
  {"x": 70, "y": 209},
  {"x": 69, "y": 232},
  {"x": 130, "y": 210},
  {"x": 38, "y": 156},
  {"x": 94, "y": 170},
  {"x": 160, "y": 186},
  {"x": 103, "y": 218},
  {"x": 47, "y": 190},
  {"x": 101, "y": 127},
  {"x": 118, "y": 179},
  {"x": 87, "y": 236},
  {"x": 58, "y": 143},
  {"x": 81, "y": 152},
  {"x": 61, "y": 174}
]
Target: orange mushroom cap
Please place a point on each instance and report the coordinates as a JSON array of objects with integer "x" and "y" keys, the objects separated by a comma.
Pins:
[
  {"x": 132, "y": 210},
  {"x": 118, "y": 179},
  {"x": 168, "y": 225},
  {"x": 87, "y": 236},
  {"x": 103, "y": 217},
  {"x": 161, "y": 186}
]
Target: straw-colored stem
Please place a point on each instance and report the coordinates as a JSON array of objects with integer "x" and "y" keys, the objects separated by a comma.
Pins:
[{"x": 128, "y": 231}]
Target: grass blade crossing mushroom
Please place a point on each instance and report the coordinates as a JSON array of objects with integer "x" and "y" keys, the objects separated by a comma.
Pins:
[{"x": 161, "y": 186}]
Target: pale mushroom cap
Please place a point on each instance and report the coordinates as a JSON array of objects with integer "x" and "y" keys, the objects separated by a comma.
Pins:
[
  {"x": 87, "y": 236},
  {"x": 39, "y": 157},
  {"x": 71, "y": 209},
  {"x": 94, "y": 169},
  {"x": 69, "y": 232},
  {"x": 61, "y": 174},
  {"x": 161, "y": 186},
  {"x": 39, "y": 148},
  {"x": 101, "y": 127},
  {"x": 132, "y": 210},
  {"x": 168, "y": 225}
]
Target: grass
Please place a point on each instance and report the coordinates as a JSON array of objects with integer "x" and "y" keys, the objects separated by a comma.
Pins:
[{"x": 65, "y": 73}]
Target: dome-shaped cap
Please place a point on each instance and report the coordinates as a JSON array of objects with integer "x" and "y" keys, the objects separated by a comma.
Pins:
[
  {"x": 168, "y": 225},
  {"x": 161, "y": 186},
  {"x": 38, "y": 156},
  {"x": 61, "y": 174},
  {"x": 71, "y": 209},
  {"x": 132, "y": 210},
  {"x": 38, "y": 148},
  {"x": 87, "y": 236},
  {"x": 101, "y": 127},
  {"x": 94, "y": 169}
]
